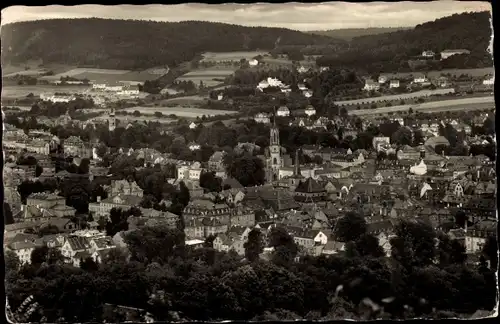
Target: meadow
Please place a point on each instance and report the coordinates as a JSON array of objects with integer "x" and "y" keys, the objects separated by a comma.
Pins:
[
  {"x": 480, "y": 72},
  {"x": 106, "y": 75},
  {"x": 230, "y": 56},
  {"x": 187, "y": 100},
  {"x": 36, "y": 90},
  {"x": 180, "y": 111},
  {"x": 207, "y": 76}
]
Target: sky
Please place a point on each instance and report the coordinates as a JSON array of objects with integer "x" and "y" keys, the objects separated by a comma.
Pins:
[{"x": 304, "y": 17}]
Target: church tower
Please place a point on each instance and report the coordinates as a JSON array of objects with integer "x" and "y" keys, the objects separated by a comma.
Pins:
[
  {"x": 112, "y": 120},
  {"x": 275, "y": 161}
]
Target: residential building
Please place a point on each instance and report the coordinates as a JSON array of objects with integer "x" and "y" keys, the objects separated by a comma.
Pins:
[
  {"x": 124, "y": 187},
  {"x": 23, "y": 250},
  {"x": 394, "y": 84},
  {"x": 57, "y": 97},
  {"x": 382, "y": 79},
  {"x": 310, "y": 111},
  {"x": 490, "y": 81},
  {"x": 283, "y": 111},
  {"x": 204, "y": 208},
  {"x": 216, "y": 161},
  {"x": 75, "y": 146},
  {"x": 262, "y": 118},
  {"x": 371, "y": 85},
  {"x": 130, "y": 90},
  {"x": 428, "y": 54},
  {"x": 102, "y": 208},
  {"x": 76, "y": 249},
  {"x": 189, "y": 171}
]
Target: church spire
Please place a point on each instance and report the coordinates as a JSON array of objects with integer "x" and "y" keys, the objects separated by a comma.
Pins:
[{"x": 296, "y": 171}]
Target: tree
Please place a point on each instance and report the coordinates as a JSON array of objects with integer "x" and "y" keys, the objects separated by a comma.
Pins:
[
  {"x": 8, "y": 218},
  {"x": 402, "y": 136},
  {"x": 136, "y": 113},
  {"x": 118, "y": 222},
  {"x": 89, "y": 265},
  {"x": 248, "y": 170},
  {"x": 12, "y": 262},
  {"x": 45, "y": 254},
  {"x": 210, "y": 182},
  {"x": 490, "y": 251},
  {"x": 350, "y": 227},
  {"x": 285, "y": 248},
  {"x": 158, "y": 114},
  {"x": 368, "y": 245},
  {"x": 254, "y": 245},
  {"x": 414, "y": 244}
]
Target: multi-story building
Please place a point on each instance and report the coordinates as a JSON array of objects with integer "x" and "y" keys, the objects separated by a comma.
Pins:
[{"x": 75, "y": 146}]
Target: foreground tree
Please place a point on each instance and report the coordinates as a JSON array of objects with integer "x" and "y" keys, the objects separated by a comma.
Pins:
[{"x": 254, "y": 245}]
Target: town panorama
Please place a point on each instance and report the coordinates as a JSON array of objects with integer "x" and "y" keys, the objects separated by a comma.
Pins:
[{"x": 195, "y": 170}]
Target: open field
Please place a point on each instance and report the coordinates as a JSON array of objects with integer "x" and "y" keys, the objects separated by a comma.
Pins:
[
  {"x": 284, "y": 61},
  {"x": 435, "y": 106},
  {"x": 230, "y": 56},
  {"x": 33, "y": 73},
  {"x": 106, "y": 75},
  {"x": 180, "y": 111},
  {"x": 207, "y": 76},
  {"x": 188, "y": 100},
  {"x": 436, "y": 74},
  {"x": 36, "y": 90},
  {"x": 402, "y": 96}
]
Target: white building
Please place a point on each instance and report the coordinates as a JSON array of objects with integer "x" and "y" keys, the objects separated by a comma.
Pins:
[
  {"x": 253, "y": 62},
  {"x": 270, "y": 82},
  {"x": 99, "y": 86},
  {"x": 394, "y": 84},
  {"x": 419, "y": 169},
  {"x": 420, "y": 79},
  {"x": 302, "y": 87},
  {"x": 114, "y": 87},
  {"x": 283, "y": 111},
  {"x": 194, "y": 146},
  {"x": 189, "y": 171},
  {"x": 132, "y": 90},
  {"x": 307, "y": 93},
  {"x": 23, "y": 250},
  {"x": 428, "y": 54},
  {"x": 382, "y": 79},
  {"x": 490, "y": 81},
  {"x": 192, "y": 125},
  {"x": 57, "y": 98},
  {"x": 302, "y": 69},
  {"x": 310, "y": 111},
  {"x": 447, "y": 53},
  {"x": 371, "y": 85},
  {"x": 262, "y": 118}
]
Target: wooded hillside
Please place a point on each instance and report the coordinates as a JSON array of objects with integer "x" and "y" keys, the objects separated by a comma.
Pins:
[
  {"x": 391, "y": 52},
  {"x": 131, "y": 44},
  {"x": 350, "y": 33}
]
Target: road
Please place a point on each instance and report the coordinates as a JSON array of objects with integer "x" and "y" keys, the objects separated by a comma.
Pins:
[{"x": 434, "y": 106}]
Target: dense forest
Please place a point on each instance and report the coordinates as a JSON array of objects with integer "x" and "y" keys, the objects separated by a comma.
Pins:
[
  {"x": 391, "y": 51},
  {"x": 133, "y": 44},
  {"x": 174, "y": 282},
  {"x": 350, "y": 33}
]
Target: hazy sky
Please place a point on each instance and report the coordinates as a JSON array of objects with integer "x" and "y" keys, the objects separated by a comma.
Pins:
[{"x": 321, "y": 16}]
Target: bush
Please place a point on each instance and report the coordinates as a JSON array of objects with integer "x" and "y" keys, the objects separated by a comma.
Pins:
[{"x": 136, "y": 113}]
